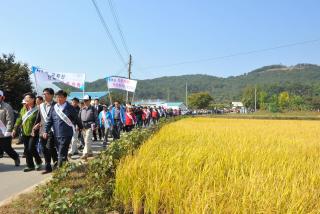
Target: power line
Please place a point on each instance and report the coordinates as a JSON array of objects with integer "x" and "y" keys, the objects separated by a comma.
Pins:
[
  {"x": 232, "y": 55},
  {"x": 106, "y": 28},
  {"x": 116, "y": 19}
]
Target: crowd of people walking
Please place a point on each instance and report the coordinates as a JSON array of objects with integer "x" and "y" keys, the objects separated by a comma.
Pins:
[{"x": 50, "y": 125}]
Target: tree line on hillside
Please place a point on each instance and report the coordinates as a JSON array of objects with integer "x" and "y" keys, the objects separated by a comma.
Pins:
[
  {"x": 279, "y": 87},
  {"x": 282, "y": 97}
]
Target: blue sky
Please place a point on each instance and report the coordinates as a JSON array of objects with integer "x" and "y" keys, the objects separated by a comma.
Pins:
[{"x": 67, "y": 36}]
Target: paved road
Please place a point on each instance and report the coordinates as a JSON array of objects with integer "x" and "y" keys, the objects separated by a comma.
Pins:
[{"x": 13, "y": 180}]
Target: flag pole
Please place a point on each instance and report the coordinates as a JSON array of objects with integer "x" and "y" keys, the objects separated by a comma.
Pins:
[
  {"x": 109, "y": 94},
  {"x": 35, "y": 78},
  {"x": 133, "y": 97},
  {"x": 84, "y": 85}
]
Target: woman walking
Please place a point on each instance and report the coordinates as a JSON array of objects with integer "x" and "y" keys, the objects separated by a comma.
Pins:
[
  {"x": 26, "y": 120},
  {"x": 105, "y": 123}
]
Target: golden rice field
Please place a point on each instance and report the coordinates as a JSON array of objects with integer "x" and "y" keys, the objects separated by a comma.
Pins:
[{"x": 204, "y": 165}]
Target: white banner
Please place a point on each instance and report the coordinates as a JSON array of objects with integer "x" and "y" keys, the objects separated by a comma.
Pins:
[
  {"x": 73, "y": 79},
  {"x": 122, "y": 83}
]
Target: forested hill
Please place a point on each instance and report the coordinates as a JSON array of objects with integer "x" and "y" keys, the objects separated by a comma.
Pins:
[{"x": 299, "y": 77}]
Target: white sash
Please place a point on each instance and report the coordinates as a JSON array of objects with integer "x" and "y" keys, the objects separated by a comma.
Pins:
[
  {"x": 64, "y": 117},
  {"x": 133, "y": 122},
  {"x": 3, "y": 128},
  {"x": 43, "y": 112},
  {"x": 28, "y": 114}
]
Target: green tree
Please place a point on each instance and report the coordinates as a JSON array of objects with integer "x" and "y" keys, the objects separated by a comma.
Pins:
[
  {"x": 273, "y": 105},
  {"x": 199, "y": 100},
  {"x": 263, "y": 99},
  {"x": 14, "y": 80},
  {"x": 248, "y": 97},
  {"x": 283, "y": 100},
  {"x": 296, "y": 103}
]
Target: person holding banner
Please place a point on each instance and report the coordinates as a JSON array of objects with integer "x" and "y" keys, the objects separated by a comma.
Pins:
[
  {"x": 6, "y": 126},
  {"x": 62, "y": 117},
  {"x": 119, "y": 118},
  {"x": 48, "y": 145},
  {"x": 26, "y": 120}
]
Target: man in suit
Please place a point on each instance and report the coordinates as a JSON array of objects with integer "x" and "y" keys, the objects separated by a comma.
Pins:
[
  {"x": 48, "y": 145},
  {"x": 62, "y": 118},
  {"x": 98, "y": 109}
]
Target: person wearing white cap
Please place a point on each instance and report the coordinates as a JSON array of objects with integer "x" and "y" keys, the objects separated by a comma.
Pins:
[
  {"x": 6, "y": 127},
  {"x": 89, "y": 118}
]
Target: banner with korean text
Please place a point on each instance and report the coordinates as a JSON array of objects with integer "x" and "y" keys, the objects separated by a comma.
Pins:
[
  {"x": 122, "y": 83},
  {"x": 76, "y": 80}
]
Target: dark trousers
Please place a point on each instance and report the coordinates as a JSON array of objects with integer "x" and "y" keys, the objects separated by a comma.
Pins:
[
  {"x": 62, "y": 145},
  {"x": 49, "y": 151},
  {"x": 129, "y": 128},
  {"x": 116, "y": 129},
  {"x": 30, "y": 149},
  {"x": 5, "y": 146},
  {"x": 98, "y": 129}
]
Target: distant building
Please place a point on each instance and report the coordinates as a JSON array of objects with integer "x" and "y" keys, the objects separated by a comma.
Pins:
[
  {"x": 238, "y": 107},
  {"x": 149, "y": 102},
  {"x": 94, "y": 95},
  {"x": 237, "y": 104},
  {"x": 175, "y": 105},
  {"x": 163, "y": 103}
]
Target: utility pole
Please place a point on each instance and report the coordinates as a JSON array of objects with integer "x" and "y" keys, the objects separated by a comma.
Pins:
[
  {"x": 255, "y": 98},
  {"x": 187, "y": 94},
  {"x": 129, "y": 75}
]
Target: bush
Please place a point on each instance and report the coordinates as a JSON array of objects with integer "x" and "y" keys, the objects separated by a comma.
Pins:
[{"x": 78, "y": 188}]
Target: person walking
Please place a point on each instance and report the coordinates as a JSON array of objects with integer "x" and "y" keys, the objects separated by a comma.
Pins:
[
  {"x": 76, "y": 135},
  {"x": 89, "y": 119},
  {"x": 119, "y": 118},
  {"x": 48, "y": 145},
  {"x": 6, "y": 127},
  {"x": 130, "y": 120},
  {"x": 98, "y": 109},
  {"x": 26, "y": 120},
  {"x": 62, "y": 117},
  {"x": 106, "y": 123}
]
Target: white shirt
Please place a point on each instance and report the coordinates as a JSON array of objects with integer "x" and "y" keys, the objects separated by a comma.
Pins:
[{"x": 62, "y": 106}]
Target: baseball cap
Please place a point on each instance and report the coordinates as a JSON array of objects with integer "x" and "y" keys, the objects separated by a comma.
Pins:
[
  {"x": 86, "y": 97},
  {"x": 1, "y": 93}
]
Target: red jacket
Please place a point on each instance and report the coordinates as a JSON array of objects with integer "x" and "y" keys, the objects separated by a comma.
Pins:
[{"x": 130, "y": 119}]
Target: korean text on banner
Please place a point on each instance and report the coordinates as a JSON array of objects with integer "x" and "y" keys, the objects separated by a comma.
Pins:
[{"x": 122, "y": 83}]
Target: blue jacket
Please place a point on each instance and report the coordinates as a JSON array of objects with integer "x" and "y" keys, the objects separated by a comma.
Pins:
[
  {"x": 60, "y": 128},
  {"x": 122, "y": 114},
  {"x": 108, "y": 117}
]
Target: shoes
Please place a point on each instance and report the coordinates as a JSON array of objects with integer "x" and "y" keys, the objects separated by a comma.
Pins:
[
  {"x": 17, "y": 162},
  {"x": 46, "y": 172},
  {"x": 90, "y": 155},
  {"x": 28, "y": 169},
  {"x": 71, "y": 154},
  {"x": 84, "y": 157},
  {"x": 38, "y": 167},
  {"x": 55, "y": 165}
]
